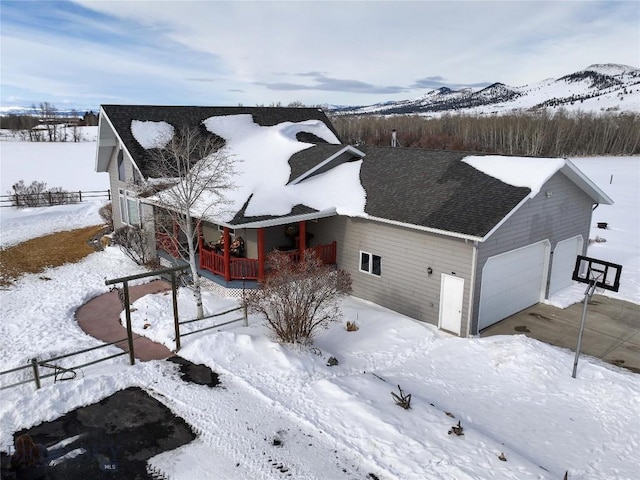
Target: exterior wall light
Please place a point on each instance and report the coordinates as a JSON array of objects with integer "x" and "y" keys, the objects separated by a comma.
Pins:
[{"x": 429, "y": 270}]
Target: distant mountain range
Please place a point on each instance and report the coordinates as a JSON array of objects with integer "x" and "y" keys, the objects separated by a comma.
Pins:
[{"x": 597, "y": 88}]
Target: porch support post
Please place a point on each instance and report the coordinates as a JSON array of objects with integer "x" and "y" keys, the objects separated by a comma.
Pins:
[
  {"x": 227, "y": 255},
  {"x": 302, "y": 241},
  {"x": 261, "y": 254},
  {"x": 200, "y": 242}
]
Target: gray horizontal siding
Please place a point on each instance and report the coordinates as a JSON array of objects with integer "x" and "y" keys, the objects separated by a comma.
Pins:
[
  {"x": 146, "y": 211},
  {"x": 564, "y": 214},
  {"x": 404, "y": 285}
]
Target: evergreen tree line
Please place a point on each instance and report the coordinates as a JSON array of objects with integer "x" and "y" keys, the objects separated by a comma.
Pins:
[{"x": 543, "y": 134}]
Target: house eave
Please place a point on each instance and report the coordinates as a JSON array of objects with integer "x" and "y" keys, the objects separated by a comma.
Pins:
[
  {"x": 585, "y": 184},
  {"x": 421, "y": 228},
  {"x": 105, "y": 146},
  {"x": 274, "y": 222},
  {"x": 104, "y": 152}
]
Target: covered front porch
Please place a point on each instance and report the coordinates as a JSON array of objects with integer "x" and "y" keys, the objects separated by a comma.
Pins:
[{"x": 232, "y": 257}]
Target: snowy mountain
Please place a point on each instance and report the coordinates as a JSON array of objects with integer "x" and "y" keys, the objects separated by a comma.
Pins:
[{"x": 597, "y": 88}]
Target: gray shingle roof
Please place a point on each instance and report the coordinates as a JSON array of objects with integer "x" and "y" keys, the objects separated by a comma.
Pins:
[
  {"x": 434, "y": 189},
  {"x": 307, "y": 159},
  {"x": 190, "y": 116}
]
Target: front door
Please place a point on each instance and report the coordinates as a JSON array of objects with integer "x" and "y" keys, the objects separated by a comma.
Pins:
[{"x": 451, "y": 296}]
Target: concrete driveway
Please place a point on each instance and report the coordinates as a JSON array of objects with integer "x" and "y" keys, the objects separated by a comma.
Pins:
[{"x": 612, "y": 329}]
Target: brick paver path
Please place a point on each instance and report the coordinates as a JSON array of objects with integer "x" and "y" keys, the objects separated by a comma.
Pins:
[{"x": 100, "y": 318}]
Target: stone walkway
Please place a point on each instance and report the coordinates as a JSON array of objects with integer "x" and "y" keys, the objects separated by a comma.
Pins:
[{"x": 100, "y": 318}]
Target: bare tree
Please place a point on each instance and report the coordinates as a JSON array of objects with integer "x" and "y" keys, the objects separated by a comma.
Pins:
[
  {"x": 76, "y": 132},
  {"x": 49, "y": 117},
  {"x": 299, "y": 298},
  {"x": 194, "y": 174}
]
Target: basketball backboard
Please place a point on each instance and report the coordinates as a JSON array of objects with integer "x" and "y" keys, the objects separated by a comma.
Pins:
[{"x": 605, "y": 274}]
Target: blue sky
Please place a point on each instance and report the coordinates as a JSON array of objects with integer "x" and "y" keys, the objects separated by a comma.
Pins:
[{"x": 82, "y": 54}]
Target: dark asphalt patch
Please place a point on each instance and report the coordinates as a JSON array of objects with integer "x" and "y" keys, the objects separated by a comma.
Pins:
[
  {"x": 117, "y": 437},
  {"x": 196, "y": 373}
]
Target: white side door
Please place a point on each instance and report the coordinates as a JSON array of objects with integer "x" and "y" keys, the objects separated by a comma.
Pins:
[{"x": 451, "y": 298}]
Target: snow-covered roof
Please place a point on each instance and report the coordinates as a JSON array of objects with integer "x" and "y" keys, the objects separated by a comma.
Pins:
[
  {"x": 261, "y": 155},
  {"x": 533, "y": 173},
  {"x": 518, "y": 171},
  {"x": 290, "y": 165}
]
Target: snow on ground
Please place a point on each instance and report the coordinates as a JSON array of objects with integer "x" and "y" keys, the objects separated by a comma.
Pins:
[
  {"x": 19, "y": 225},
  {"x": 68, "y": 165},
  {"x": 513, "y": 395}
]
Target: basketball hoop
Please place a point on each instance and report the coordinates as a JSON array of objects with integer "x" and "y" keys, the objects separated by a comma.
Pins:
[{"x": 595, "y": 273}]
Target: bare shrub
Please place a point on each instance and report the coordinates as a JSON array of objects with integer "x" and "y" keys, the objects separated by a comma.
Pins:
[
  {"x": 28, "y": 195},
  {"x": 106, "y": 214},
  {"x": 297, "y": 299},
  {"x": 133, "y": 243},
  {"x": 38, "y": 195}
]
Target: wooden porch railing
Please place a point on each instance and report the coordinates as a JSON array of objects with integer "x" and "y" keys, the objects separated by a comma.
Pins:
[
  {"x": 326, "y": 253},
  {"x": 247, "y": 268},
  {"x": 240, "y": 268},
  {"x": 167, "y": 243}
]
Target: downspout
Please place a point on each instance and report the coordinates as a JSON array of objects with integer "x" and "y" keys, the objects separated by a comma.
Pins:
[{"x": 472, "y": 285}]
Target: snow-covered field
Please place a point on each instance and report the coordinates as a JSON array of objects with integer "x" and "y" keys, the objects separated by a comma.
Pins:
[{"x": 513, "y": 395}]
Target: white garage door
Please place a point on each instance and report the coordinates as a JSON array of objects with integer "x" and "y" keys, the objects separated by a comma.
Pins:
[
  {"x": 513, "y": 281},
  {"x": 563, "y": 262}
]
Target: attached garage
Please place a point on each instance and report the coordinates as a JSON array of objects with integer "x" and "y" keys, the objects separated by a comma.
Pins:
[
  {"x": 563, "y": 262},
  {"x": 513, "y": 281}
]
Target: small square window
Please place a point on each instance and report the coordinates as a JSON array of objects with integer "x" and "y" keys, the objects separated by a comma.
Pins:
[
  {"x": 364, "y": 261},
  {"x": 370, "y": 263},
  {"x": 376, "y": 267}
]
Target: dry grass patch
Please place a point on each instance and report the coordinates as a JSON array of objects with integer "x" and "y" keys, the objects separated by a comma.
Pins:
[{"x": 37, "y": 254}]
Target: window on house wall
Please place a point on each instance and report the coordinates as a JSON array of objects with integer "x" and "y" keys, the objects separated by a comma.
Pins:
[
  {"x": 370, "y": 263},
  {"x": 129, "y": 207},
  {"x": 137, "y": 179},
  {"x": 121, "y": 173}
]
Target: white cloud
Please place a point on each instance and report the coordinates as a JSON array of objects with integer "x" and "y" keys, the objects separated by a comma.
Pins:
[{"x": 235, "y": 52}]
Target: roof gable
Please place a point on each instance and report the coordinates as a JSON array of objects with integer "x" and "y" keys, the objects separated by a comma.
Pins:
[
  {"x": 585, "y": 184},
  {"x": 320, "y": 159}
]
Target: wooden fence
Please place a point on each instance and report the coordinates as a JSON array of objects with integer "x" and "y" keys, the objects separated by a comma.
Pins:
[{"x": 46, "y": 199}]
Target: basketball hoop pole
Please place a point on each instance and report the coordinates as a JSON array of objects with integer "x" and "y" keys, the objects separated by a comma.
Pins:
[{"x": 587, "y": 295}]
